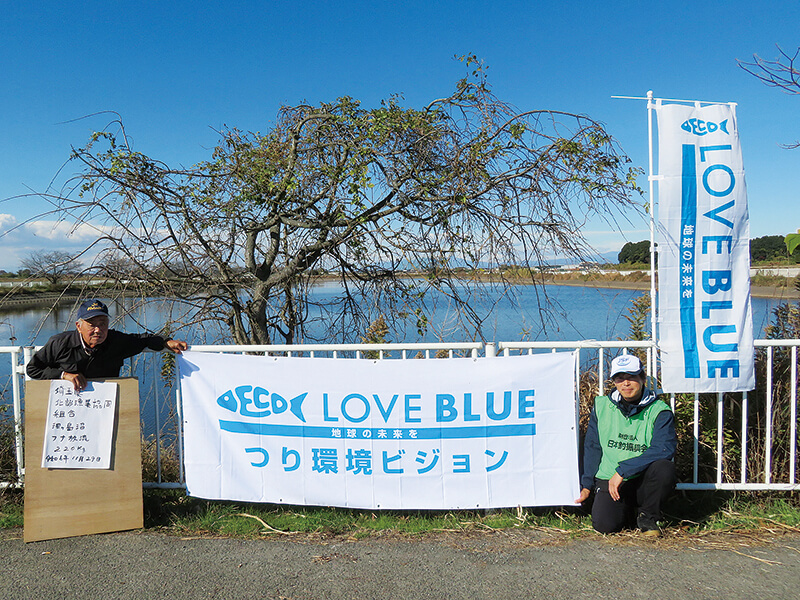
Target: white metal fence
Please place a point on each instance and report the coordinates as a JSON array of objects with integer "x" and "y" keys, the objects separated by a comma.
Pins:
[{"x": 745, "y": 441}]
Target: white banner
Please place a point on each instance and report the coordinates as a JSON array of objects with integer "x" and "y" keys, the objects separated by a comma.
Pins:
[
  {"x": 387, "y": 434},
  {"x": 706, "y": 325}
]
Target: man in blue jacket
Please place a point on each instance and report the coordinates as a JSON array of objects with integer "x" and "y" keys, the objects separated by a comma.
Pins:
[{"x": 628, "y": 451}]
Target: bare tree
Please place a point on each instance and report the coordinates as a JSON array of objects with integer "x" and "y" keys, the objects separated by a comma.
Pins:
[
  {"x": 782, "y": 73},
  {"x": 53, "y": 266},
  {"x": 390, "y": 202}
]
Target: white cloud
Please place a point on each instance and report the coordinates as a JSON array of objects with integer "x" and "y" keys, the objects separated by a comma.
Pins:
[
  {"x": 19, "y": 240},
  {"x": 63, "y": 231},
  {"x": 7, "y": 222},
  {"x": 612, "y": 240}
]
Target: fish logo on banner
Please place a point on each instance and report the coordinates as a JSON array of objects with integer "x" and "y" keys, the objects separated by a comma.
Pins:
[
  {"x": 706, "y": 330},
  {"x": 263, "y": 403},
  {"x": 700, "y": 127}
]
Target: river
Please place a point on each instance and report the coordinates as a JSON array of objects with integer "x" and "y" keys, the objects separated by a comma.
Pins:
[{"x": 573, "y": 313}]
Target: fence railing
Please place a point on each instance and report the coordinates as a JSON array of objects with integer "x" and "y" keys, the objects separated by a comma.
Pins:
[{"x": 744, "y": 441}]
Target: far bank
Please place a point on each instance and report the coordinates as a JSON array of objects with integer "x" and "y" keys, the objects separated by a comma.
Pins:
[
  {"x": 773, "y": 287},
  {"x": 757, "y": 291}
]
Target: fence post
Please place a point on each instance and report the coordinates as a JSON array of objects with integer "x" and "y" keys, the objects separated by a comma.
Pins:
[
  {"x": 490, "y": 350},
  {"x": 17, "y": 392}
]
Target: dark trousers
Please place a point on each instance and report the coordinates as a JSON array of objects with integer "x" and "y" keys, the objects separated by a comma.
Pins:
[{"x": 642, "y": 494}]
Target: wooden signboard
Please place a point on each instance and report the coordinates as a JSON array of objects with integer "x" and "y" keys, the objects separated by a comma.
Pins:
[{"x": 68, "y": 502}]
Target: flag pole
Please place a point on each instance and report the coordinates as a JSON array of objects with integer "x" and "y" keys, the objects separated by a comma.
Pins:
[{"x": 650, "y": 179}]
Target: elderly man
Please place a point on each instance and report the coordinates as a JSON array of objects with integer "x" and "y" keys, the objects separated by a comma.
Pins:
[
  {"x": 92, "y": 351},
  {"x": 628, "y": 451}
]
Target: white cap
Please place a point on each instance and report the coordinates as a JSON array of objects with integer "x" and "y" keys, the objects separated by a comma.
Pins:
[{"x": 626, "y": 363}]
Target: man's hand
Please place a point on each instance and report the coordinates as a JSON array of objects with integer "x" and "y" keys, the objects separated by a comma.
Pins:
[
  {"x": 584, "y": 495},
  {"x": 177, "y": 346},
  {"x": 77, "y": 380},
  {"x": 613, "y": 486}
]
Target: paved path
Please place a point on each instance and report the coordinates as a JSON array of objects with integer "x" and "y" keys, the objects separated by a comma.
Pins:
[{"x": 516, "y": 564}]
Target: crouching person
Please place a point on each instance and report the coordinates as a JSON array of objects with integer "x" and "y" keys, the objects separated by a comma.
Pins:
[{"x": 628, "y": 451}]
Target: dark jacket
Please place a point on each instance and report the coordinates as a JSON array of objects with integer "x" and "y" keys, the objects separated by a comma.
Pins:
[
  {"x": 663, "y": 443},
  {"x": 64, "y": 352}
]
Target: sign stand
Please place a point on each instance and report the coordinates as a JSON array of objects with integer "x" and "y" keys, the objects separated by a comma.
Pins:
[{"x": 69, "y": 502}]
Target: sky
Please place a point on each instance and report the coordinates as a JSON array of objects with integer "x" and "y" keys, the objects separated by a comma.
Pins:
[{"x": 178, "y": 72}]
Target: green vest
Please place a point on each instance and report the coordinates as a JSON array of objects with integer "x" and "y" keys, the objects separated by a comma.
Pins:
[{"x": 623, "y": 437}]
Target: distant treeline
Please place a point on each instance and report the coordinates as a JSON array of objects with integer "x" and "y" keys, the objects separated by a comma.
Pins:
[{"x": 769, "y": 248}]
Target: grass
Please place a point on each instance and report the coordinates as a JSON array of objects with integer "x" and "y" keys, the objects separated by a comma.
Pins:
[
  {"x": 688, "y": 514},
  {"x": 752, "y": 512},
  {"x": 176, "y": 513},
  {"x": 11, "y": 506},
  {"x": 776, "y": 281}
]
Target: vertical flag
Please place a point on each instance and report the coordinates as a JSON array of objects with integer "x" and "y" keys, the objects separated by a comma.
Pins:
[{"x": 705, "y": 320}]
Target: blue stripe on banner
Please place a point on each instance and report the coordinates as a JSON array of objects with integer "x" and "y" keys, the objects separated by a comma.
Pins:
[
  {"x": 379, "y": 433},
  {"x": 687, "y": 275}
]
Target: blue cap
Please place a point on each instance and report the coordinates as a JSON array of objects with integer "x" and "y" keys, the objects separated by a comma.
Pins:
[{"x": 92, "y": 308}]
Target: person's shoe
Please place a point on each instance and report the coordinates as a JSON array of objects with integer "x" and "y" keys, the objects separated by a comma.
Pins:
[{"x": 647, "y": 525}]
